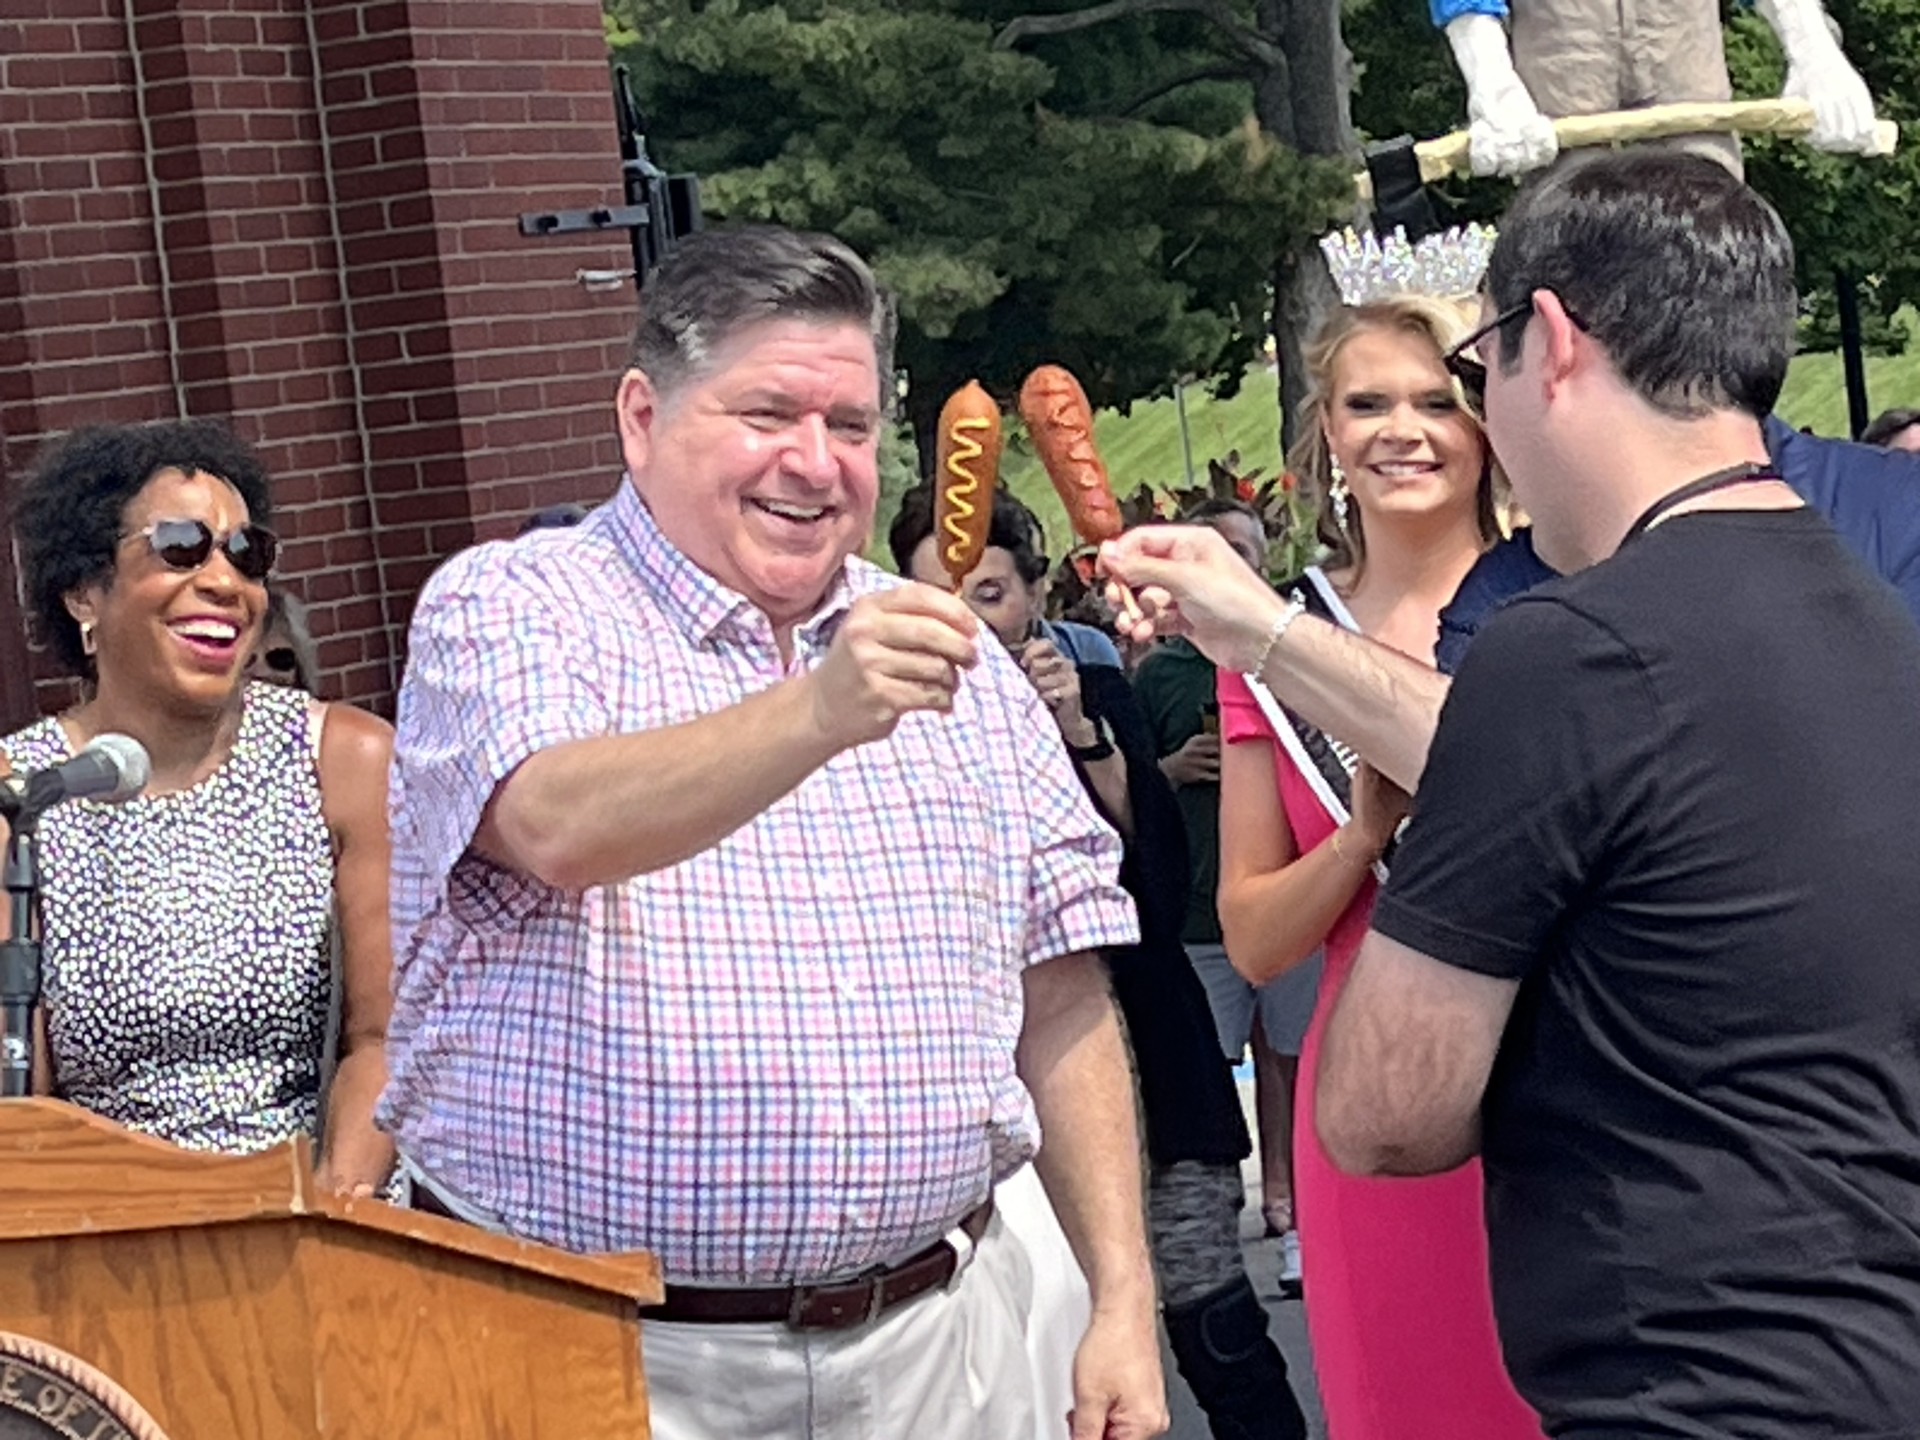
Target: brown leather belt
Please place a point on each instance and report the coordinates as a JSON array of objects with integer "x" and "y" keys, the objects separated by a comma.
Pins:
[{"x": 836, "y": 1305}]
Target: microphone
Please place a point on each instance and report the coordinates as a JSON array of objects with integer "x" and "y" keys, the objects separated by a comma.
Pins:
[{"x": 111, "y": 768}]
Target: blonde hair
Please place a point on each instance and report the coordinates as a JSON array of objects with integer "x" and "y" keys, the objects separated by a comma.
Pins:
[{"x": 1442, "y": 324}]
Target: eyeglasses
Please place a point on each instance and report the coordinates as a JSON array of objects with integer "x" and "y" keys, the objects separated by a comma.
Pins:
[
  {"x": 186, "y": 545},
  {"x": 1463, "y": 361}
]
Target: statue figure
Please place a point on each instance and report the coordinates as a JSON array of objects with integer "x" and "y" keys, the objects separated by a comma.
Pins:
[{"x": 1584, "y": 57}]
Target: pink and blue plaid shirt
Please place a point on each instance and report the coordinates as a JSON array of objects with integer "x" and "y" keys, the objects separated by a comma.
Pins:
[{"x": 788, "y": 1058}]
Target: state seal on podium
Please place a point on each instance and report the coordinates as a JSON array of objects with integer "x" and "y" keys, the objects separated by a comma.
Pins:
[{"x": 47, "y": 1394}]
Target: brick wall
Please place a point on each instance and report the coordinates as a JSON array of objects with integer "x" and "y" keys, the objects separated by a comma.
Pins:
[{"x": 301, "y": 217}]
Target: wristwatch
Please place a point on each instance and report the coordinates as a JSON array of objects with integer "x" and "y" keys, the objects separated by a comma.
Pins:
[{"x": 1102, "y": 745}]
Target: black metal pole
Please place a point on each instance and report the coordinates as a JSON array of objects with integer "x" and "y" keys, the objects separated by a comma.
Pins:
[
  {"x": 645, "y": 183},
  {"x": 1852, "y": 353},
  {"x": 660, "y": 208},
  {"x": 19, "y": 962}
]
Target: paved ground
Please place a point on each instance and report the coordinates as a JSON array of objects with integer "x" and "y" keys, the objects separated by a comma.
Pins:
[{"x": 1286, "y": 1320}]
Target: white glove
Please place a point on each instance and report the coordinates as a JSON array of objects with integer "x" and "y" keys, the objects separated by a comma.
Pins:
[
  {"x": 1818, "y": 73},
  {"x": 1509, "y": 135}
]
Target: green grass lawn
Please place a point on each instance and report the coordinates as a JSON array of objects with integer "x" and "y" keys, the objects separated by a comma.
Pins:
[
  {"x": 1145, "y": 446},
  {"x": 1816, "y": 393}
]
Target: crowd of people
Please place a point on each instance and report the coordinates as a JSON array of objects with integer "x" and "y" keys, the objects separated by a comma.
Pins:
[{"x": 877, "y": 953}]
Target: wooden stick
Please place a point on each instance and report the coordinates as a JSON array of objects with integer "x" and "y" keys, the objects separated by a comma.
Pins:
[
  {"x": 1451, "y": 154},
  {"x": 1111, "y": 583}
]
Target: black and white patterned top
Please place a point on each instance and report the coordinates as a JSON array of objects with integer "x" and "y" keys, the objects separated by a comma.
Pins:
[{"x": 187, "y": 973}]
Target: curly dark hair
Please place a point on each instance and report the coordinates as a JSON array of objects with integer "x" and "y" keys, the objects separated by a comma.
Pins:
[
  {"x": 72, "y": 509},
  {"x": 1014, "y": 528}
]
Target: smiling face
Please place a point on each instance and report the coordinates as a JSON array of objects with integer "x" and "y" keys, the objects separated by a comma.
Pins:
[
  {"x": 763, "y": 468},
  {"x": 178, "y": 638},
  {"x": 993, "y": 590},
  {"x": 1396, "y": 426}
]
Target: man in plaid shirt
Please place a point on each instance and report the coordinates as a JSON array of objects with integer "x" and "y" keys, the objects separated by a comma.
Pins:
[{"x": 746, "y": 906}]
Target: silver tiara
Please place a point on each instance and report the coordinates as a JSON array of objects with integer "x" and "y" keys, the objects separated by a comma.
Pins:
[{"x": 1447, "y": 266}]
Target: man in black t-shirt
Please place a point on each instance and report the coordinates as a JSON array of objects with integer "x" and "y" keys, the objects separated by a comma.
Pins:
[{"x": 1649, "y": 943}]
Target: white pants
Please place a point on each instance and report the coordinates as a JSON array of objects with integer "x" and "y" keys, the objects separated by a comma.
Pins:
[
  {"x": 949, "y": 1365},
  {"x": 1061, "y": 1305}
]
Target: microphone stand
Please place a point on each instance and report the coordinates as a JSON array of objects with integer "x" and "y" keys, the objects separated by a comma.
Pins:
[{"x": 20, "y": 959}]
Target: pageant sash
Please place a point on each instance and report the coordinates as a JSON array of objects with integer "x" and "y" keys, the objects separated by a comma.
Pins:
[{"x": 1323, "y": 762}]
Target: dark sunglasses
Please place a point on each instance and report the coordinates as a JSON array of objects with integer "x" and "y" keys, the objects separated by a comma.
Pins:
[
  {"x": 188, "y": 544},
  {"x": 1463, "y": 361}
]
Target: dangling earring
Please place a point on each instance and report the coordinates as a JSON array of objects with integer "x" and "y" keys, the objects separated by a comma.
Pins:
[
  {"x": 1337, "y": 494},
  {"x": 87, "y": 643}
]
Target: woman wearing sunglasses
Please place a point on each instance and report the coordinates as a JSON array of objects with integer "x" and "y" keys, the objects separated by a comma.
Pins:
[
  {"x": 287, "y": 655},
  {"x": 1398, "y": 1305},
  {"x": 189, "y": 932}
]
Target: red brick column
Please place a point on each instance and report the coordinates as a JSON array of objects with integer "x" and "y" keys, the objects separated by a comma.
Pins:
[
  {"x": 486, "y": 372},
  {"x": 302, "y": 218},
  {"x": 82, "y": 336}
]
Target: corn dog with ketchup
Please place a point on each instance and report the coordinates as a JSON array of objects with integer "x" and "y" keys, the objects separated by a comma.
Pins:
[
  {"x": 967, "y": 469},
  {"x": 1061, "y": 423}
]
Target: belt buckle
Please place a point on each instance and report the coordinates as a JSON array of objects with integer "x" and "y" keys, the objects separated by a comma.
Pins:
[{"x": 832, "y": 1307}]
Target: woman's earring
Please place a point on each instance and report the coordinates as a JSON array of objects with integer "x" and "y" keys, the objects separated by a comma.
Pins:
[
  {"x": 1337, "y": 494},
  {"x": 87, "y": 643}
]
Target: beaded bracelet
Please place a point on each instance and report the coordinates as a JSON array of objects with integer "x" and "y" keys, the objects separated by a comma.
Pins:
[{"x": 1296, "y": 607}]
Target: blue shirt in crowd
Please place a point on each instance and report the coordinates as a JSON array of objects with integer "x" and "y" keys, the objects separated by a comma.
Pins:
[{"x": 1870, "y": 496}]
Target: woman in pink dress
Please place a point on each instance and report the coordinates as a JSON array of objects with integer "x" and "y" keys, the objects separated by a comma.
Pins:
[{"x": 1398, "y": 1307}]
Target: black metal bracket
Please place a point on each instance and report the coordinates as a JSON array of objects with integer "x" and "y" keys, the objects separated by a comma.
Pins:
[
  {"x": 572, "y": 222},
  {"x": 660, "y": 208}
]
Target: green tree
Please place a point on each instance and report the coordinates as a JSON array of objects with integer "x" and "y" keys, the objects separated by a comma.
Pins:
[
  {"x": 1846, "y": 215},
  {"x": 1291, "y": 55},
  {"x": 1131, "y": 238}
]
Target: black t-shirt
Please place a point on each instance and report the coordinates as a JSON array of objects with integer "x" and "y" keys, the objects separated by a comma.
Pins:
[{"x": 1677, "y": 797}]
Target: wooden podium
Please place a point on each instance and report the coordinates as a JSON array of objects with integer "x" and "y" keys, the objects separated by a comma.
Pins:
[{"x": 233, "y": 1301}]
